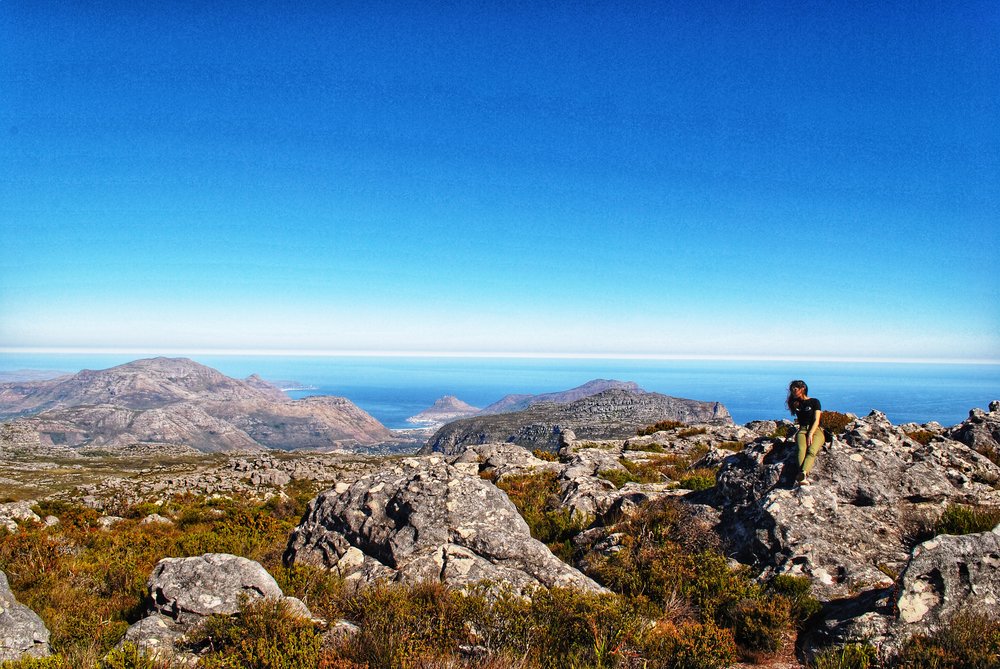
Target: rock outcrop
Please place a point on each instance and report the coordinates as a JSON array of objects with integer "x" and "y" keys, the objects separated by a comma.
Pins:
[
  {"x": 946, "y": 574},
  {"x": 179, "y": 402},
  {"x": 612, "y": 414},
  {"x": 183, "y": 591},
  {"x": 853, "y": 526},
  {"x": 425, "y": 519},
  {"x": 980, "y": 431},
  {"x": 22, "y": 632}
]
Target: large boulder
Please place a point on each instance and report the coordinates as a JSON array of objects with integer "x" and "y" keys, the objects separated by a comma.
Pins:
[
  {"x": 184, "y": 591},
  {"x": 426, "y": 519},
  {"x": 22, "y": 632},
  {"x": 948, "y": 573},
  {"x": 854, "y": 526},
  {"x": 213, "y": 583}
]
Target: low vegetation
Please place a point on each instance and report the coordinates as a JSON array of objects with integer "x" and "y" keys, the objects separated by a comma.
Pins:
[
  {"x": 674, "y": 600},
  {"x": 661, "y": 426}
]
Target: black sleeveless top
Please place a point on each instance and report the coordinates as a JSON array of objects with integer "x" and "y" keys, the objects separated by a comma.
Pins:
[{"x": 805, "y": 411}]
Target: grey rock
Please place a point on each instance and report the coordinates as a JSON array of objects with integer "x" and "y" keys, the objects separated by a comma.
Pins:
[
  {"x": 107, "y": 522},
  {"x": 980, "y": 431},
  {"x": 425, "y": 519},
  {"x": 12, "y": 512},
  {"x": 947, "y": 573},
  {"x": 849, "y": 526},
  {"x": 22, "y": 632},
  {"x": 156, "y": 519},
  {"x": 213, "y": 583},
  {"x": 161, "y": 639}
]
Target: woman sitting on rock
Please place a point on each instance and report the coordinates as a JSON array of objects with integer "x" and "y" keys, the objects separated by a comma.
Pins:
[{"x": 809, "y": 437}]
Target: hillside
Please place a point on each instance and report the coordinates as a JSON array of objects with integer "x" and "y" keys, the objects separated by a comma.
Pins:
[
  {"x": 511, "y": 403},
  {"x": 611, "y": 414},
  {"x": 179, "y": 402}
]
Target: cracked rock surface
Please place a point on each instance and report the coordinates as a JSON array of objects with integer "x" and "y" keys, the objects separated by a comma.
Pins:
[{"x": 427, "y": 519}]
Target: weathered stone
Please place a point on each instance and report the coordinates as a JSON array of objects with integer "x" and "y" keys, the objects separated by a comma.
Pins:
[
  {"x": 160, "y": 638},
  {"x": 980, "y": 431},
  {"x": 947, "y": 573},
  {"x": 186, "y": 588},
  {"x": 848, "y": 529},
  {"x": 12, "y": 512},
  {"x": 427, "y": 520},
  {"x": 156, "y": 519},
  {"x": 22, "y": 632}
]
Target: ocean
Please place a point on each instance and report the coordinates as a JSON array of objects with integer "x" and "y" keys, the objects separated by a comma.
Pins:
[{"x": 394, "y": 388}]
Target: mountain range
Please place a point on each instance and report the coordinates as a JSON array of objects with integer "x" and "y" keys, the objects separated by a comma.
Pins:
[{"x": 179, "y": 401}]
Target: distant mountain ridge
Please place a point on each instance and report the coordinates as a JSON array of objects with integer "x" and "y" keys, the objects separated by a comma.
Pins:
[
  {"x": 179, "y": 401},
  {"x": 510, "y": 403},
  {"x": 612, "y": 414}
]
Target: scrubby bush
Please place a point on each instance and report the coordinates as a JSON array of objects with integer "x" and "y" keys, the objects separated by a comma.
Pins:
[
  {"x": 660, "y": 426},
  {"x": 835, "y": 421},
  {"x": 961, "y": 519},
  {"x": 536, "y": 497},
  {"x": 850, "y": 656},
  {"x": 692, "y": 432},
  {"x": 548, "y": 456},
  {"x": 701, "y": 478},
  {"x": 689, "y": 645},
  {"x": 51, "y": 662},
  {"x": 921, "y": 436},
  {"x": 265, "y": 635},
  {"x": 129, "y": 657},
  {"x": 797, "y": 590},
  {"x": 970, "y": 640}
]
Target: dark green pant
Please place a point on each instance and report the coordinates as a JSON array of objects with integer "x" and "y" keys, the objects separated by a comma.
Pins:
[{"x": 807, "y": 454}]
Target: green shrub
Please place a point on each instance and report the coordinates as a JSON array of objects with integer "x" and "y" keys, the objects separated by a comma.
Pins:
[
  {"x": 835, "y": 421},
  {"x": 701, "y": 478},
  {"x": 851, "y": 656},
  {"x": 51, "y": 662},
  {"x": 921, "y": 436},
  {"x": 265, "y": 635},
  {"x": 690, "y": 646},
  {"x": 587, "y": 628},
  {"x": 548, "y": 456},
  {"x": 961, "y": 519},
  {"x": 401, "y": 625},
  {"x": 969, "y": 641},
  {"x": 758, "y": 624},
  {"x": 658, "y": 427},
  {"x": 781, "y": 432},
  {"x": 651, "y": 447},
  {"x": 129, "y": 657},
  {"x": 692, "y": 432},
  {"x": 536, "y": 497},
  {"x": 734, "y": 446},
  {"x": 798, "y": 591}
]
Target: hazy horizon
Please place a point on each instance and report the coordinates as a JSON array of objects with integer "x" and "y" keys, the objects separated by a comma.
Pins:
[{"x": 678, "y": 181}]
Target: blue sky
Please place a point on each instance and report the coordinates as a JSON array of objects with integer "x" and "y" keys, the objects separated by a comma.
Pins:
[{"x": 735, "y": 179}]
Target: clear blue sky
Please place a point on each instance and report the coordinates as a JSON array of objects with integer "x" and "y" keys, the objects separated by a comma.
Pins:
[{"x": 727, "y": 178}]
